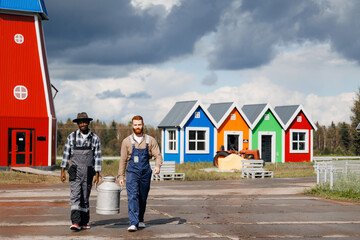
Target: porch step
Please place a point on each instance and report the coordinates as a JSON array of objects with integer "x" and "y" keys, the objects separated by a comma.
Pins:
[{"x": 35, "y": 171}]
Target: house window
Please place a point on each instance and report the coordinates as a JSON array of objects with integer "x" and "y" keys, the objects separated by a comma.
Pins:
[
  {"x": 299, "y": 119},
  {"x": 18, "y": 38},
  {"x": 299, "y": 141},
  {"x": 20, "y": 92},
  {"x": 197, "y": 114},
  {"x": 267, "y": 116},
  {"x": 233, "y": 117},
  {"x": 171, "y": 137},
  {"x": 197, "y": 140}
]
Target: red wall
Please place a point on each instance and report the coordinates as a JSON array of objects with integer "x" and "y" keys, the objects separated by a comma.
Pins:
[
  {"x": 298, "y": 157},
  {"x": 20, "y": 65}
]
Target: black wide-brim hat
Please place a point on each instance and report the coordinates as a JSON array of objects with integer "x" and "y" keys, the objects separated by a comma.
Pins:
[{"x": 82, "y": 117}]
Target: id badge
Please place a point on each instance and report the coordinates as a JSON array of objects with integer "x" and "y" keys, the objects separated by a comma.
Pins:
[{"x": 136, "y": 159}]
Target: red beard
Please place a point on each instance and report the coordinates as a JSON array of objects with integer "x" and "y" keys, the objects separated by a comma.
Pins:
[{"x": 137, "y": 130}]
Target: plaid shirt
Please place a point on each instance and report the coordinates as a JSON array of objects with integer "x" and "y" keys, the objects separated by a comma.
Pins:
[{"x": 82, "y": 142}]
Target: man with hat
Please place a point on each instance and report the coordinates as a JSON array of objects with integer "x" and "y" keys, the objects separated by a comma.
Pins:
[{"x": 83, "y": 151}]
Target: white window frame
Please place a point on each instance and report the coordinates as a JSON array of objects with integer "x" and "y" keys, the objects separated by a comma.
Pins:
[
  {"x": 306, "y": 150},
  {"x": 240, "y": 136},
  {"x": 167, "y": 140},
  {"x": 207, "y": 140},
  {"x": 20, "y": 92}
]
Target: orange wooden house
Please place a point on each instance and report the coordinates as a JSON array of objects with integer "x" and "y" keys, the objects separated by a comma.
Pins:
[{"x": 233, "y": 128}]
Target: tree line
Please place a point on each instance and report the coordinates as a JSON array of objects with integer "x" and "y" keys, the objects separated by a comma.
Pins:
[
  {"x": 341, "y": 138},
  {"x": 111, "y": 135},
  {"x": 336, "y": 139}
]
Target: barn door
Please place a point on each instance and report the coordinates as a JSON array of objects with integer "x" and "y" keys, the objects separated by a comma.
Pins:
[{"x": 21, "y": 147}]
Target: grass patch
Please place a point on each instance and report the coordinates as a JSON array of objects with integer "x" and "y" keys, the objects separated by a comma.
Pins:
[
  {"x": 346, "y": 187},
  {"x": 291, "y": 170},
  {"x": 192, "y": 172},
  {"x": 11, "y": 177},
  {"x": 324, "y": 191}
]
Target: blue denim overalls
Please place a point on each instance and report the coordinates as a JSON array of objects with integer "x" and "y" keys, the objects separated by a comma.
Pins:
[{"x": 138, "y": 177}]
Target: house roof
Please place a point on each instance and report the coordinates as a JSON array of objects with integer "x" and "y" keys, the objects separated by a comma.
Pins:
[
  {"x": 288, "y": 113},
  {"x": 177, "y": 114},
  {"x": 220, "y": 111},
  {"x": 32, "y": 6},
  {"x": 254, "y": 113},
  {"x": 180, "y": 113}
]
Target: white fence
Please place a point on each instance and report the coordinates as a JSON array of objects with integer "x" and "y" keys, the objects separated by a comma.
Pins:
[{"x": 331, "y": 169}]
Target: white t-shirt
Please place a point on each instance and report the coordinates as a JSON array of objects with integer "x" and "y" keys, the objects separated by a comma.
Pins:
[
  {"x": 138, "y": 139},
  {"x": 85, "y": 135}
]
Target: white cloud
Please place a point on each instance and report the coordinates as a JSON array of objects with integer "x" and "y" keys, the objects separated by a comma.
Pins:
[
  {"x": 320, "y": 109},
  {"x": 310, "y": 68},
  {"x": 143, "y": 4},
  {"x": 168, "y": 86}
]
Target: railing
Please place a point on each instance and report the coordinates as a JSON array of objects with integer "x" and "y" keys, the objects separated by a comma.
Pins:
[{"x": 332, "y": 169}]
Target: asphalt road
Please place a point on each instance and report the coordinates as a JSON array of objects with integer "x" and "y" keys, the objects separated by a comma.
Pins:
[{"x": 260, "y": 208}]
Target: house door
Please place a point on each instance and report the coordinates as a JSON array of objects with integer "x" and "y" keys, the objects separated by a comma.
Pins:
[
  {"x": 21, "y": 147},
  {"x": 266, "y": 145},
  {"x": 233, "y": 140}
]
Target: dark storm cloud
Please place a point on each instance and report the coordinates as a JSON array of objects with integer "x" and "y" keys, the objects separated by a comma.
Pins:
[
  {"x": 113, "y": 32},
  {"x": 250, "y": 33},
  {"x": 110, "y": 94},
  {"x": 142, "y": 94},
  {"x": 246, "y": 34},
  {"x": 210, "y": 80}
]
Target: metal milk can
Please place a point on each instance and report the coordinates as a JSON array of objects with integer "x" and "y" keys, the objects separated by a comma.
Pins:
[{"x": 108, "y": 197}]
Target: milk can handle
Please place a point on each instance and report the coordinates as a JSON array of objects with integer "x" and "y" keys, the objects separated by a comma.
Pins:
[
  {"x": 121, "y": 186},
  {"x": 96, "y": 185}
]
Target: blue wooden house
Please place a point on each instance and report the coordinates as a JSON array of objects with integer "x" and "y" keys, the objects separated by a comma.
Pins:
[{"x": 188, "y": 133}]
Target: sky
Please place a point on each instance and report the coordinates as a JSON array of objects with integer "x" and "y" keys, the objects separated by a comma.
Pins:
[{"x": 118, "y": 58}]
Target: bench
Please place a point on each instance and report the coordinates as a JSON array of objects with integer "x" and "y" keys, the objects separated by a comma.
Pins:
[
  {"x": 252, "y": 168},
  {"x": 167, "y": 172}
]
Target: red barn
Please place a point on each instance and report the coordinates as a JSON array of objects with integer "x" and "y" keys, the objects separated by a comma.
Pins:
[
  {"x": 27, "y": 114},
  {"x": 299, "y": 131}
]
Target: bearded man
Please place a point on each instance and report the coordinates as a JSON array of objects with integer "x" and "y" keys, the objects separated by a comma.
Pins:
[{"x": 137, "y": 149}]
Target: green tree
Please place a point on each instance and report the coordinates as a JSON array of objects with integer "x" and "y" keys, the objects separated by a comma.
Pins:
[
  {"x": 355, "y": 120},
  {"x": 345, "y": 137}
]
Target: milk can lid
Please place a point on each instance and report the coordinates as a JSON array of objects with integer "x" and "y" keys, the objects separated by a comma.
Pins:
[{"x": 109, "y": 179}]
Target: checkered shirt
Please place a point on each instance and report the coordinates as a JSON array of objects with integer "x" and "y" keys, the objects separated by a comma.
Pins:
[{"x": 82, "y": 142}]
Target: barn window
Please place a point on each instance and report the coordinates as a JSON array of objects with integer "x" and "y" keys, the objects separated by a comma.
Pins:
[
  {"x": 197, "y": 114},
  {"x": 299, "y": 141},
  {"x": 20, "y": 92},
  {"x": 233, "y": 117},
  {"x": 171, "y": 137},
  {"x": 267, "y": 116},
  {"x": 197, "y": 140},
  {"x": 18, "y": 38}
]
